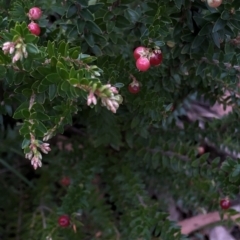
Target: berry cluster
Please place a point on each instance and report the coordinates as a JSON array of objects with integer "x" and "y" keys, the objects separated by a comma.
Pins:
[
  {"x": 34, "y": 14},
  {"x": 145, "y": 58}
]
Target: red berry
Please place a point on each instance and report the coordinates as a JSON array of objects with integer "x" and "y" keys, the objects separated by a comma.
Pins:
[
  {"x": 65, "y": 181},
  {"x": 134, "y": 87},
  {"x": 225, "y": 203},
  {"x": 139, "y": 52},
  {"x": 143, "y": 64},
  {"x": 34, "y": 13},
  {"x": 64, "y": 221},
  {"x": 34, "y": 28},
  {"x": 156, "y": 58}
]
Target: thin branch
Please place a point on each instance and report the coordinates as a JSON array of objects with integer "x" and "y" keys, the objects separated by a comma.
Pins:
[
  {"x": 19, "y": 221},
  {"x": 193, "y": 224},
  {"x": 141, "y": 201},
  {"x": 43, "y": 219},
  {"x": 117, "y": 233},
  {"x": 171, "y": 154}
]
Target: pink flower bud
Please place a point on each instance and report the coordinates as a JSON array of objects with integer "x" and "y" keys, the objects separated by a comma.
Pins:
[
  {"x": 8, "y": 46},
  {"x": 45, "y": 148},
  {"x": 29, "y": 155},
  {"x": 115, "y": 104},
  {"x": 36, "y": 162},
  {"x": 91, "y": 99},
  {"x": 34, "y": 13},
  {"x": 113, "y": 89}
]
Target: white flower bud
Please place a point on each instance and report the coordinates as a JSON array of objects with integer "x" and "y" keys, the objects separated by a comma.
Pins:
[
  {"x": 16, "y": 57},
  {"x": 11, "y": 50}
]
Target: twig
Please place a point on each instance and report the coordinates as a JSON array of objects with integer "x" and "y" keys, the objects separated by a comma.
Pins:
[
  {"x": 171, "y": 154},
  {"x": 141, "y": 201},
  {"x": 43, "y": 218},
  {"x": 117, "y": 233},
  {"x": 19, "y": 221},
  {"x": 192, "y": 224},
  {"x": 133, "y": 78}
]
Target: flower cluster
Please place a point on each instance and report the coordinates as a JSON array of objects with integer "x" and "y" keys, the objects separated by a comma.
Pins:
[
  {"x": 34, "y": 155},
  {"x": 109, "y": 97},
  {"x": 17, "y": 48}
]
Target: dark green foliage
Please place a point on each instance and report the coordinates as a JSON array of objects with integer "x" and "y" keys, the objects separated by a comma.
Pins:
[{"x": 116, "y": 161}]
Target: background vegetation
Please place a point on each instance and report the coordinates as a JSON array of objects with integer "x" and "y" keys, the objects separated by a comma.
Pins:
[{"x": 113, "y": 167}]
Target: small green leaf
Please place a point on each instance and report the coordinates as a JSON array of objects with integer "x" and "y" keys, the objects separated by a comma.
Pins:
[
  {"x": 206, "y": 29},
  {"x": 80, "y": 25},
  {"x": 29, "y": 38},
  {"x": 39, "y": 116},
  {"x": 197, "y": 41},
  {"x": 52, "y": 91},
  {"x": 21, "y": 114},
  {"x": 93, "y": 27},
  {"x": 97, "y": 51},
  {"x": 122, "y": 22},
  {"x": 178, "y": 3},
  {"x": 110, "y": 26},
  {"x": 42, "y": 88},
  {"x": 73, "y": 33},
  {"x": 61, "y": 49},
  {"x": 216, "y": 39},
  {"x": 40, "y": 126},
  {"x": 131, "y": 15},
  {"x": 53, "y": 78},
  {"x": 2, "y": 71},
  {"x": 63, "y": 74},
  {"x": 135, "y": 122},
  {"x": 108, "y": 16},
  {"x": 86, "y": 15},
  {"x": 236, "y": 15},
  {"x": 219, "y": 24},
  {"x": 72, "y": 10},
  {"x": 225, "y": 15},
  {"x": 31, "y": 48},
  {"x": 25, "y": 143},
  {"x": 113, "y": 37},
  {"x": 235, "y": 24},
  {"x": 73, "y": 81},
  {"x": 50, "y": 49},
  {"x": 89, "y": 39},
  {"x": 201, "y": 67}
]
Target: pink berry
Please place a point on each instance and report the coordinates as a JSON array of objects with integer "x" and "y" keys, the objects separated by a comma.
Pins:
[
  {"x": 134, "y": 87},
  {"x": 34, "y": 13},
  {"x": 34, "y": 28},
  {"x": 139, "y": 52},
  {"x": 156, "y": 58},
  {"x": 143, "y": 64},
  {"x": 214, "y": 3},
  {"x": 64, "y": 221},
  {"x": 225, "y": 203}
]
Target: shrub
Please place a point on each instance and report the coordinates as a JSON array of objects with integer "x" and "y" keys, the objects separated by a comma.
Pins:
[{"x": 68, "y": 112}]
